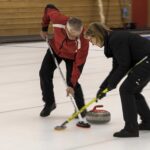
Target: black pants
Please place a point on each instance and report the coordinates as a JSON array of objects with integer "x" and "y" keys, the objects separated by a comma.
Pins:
[
  {"x": 46, "y": 79},
  {"x": 133, "y": 102}
]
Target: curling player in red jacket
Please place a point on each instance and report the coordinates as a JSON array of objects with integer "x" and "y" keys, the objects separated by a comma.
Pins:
[{"x": 68, "y": 45}]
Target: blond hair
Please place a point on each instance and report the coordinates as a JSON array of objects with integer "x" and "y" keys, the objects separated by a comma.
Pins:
[{"x": 97, "y": 30}]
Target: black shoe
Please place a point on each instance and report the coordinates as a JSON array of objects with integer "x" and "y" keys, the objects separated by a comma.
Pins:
[
  {"x": 47, "y": 110},
  {"x": 126, "y": 133},
  {"x": 144, "y": 126}
]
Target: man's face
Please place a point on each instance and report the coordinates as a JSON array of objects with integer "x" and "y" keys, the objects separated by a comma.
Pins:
[{"x": 72, "y": 33}]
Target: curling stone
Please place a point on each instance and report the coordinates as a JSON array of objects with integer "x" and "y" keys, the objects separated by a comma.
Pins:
[{"x": 98, "y": 116}]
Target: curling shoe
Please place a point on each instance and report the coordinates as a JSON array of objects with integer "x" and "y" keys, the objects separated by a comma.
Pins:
[
  {"x": 125, "y": 133},
  {"x": 129, "y": 130},
  {"x": 47, "y": 110}
]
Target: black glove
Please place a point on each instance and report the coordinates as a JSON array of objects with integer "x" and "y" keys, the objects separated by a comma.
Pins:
[{"x": 99, "y": 94}]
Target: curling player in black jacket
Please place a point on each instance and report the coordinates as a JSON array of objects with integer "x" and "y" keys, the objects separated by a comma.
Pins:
[{"x": 130, "y": 55}]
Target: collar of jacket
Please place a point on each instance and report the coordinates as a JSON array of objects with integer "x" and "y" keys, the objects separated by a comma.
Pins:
[{"x": 107, "y": 49}]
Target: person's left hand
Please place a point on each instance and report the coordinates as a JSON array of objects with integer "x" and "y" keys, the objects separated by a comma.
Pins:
[
  {"x": 100, "y": 94},
  {"x": 44, "y": 35},
  {"x": 70, "y": 90}
]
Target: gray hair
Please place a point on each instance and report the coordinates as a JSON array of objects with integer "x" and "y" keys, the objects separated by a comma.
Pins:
[{"x": 75, "y": 23}]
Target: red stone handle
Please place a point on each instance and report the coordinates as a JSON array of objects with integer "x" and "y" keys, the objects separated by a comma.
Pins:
[{"x": 97, "y": 106}]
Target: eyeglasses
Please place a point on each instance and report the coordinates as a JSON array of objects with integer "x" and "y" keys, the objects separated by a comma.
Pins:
[{"x": 72, "y": 34}]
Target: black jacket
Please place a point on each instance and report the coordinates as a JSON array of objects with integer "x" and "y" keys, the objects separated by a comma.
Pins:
[{"x": 126, "y": 49}]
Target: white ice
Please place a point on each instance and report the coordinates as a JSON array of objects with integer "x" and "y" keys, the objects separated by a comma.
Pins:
[{"x": 21, "y": 127}]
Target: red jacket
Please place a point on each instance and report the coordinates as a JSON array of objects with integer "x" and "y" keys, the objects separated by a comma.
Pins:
[{"x": 75, "y": 50}]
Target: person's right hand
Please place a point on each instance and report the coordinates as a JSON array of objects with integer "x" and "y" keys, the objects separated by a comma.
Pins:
[
  {"x": 70, "y": 90},
  {"x": 44, "y": 35}
]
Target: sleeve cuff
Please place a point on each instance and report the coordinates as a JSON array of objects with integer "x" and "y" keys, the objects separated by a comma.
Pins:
[
  {"x": 71, "y": 85},
  {"x": 45, "y": 29}
]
